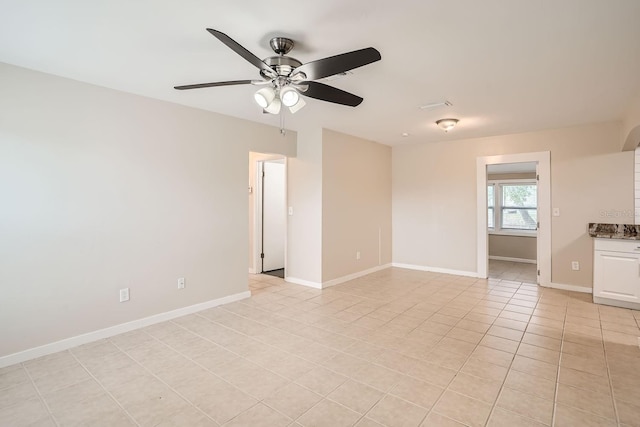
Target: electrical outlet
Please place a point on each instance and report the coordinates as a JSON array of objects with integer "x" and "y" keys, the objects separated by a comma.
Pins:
[
  {"x": 124, "y": 294},
  {"x": 575, "y": 265},
  {"x": 181, "y": 283},
  {"x": 358, "y": 255}
]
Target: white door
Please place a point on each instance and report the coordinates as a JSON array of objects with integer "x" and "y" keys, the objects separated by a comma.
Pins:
[{"x": 274, "y": 213}]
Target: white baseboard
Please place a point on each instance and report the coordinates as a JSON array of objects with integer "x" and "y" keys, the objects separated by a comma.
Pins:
[
  {"x": 252, "y": 270},
  {"x": 562, "y": 286},
  {"x": 617, "y": 303},
  {"x": 296, "y": 281},
  {"x": 505, "y": 258},
  {"x": 333, "y": 282},
  {"x": 352, "y": 276},
  {"x": 68, "y": 343},
  {"x": 436, "y": 269}
]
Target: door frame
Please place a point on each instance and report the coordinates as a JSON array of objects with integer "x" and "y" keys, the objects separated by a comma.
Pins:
[
  {"x": 543, "y": 159},
  {"x": 257, "y": 214}
]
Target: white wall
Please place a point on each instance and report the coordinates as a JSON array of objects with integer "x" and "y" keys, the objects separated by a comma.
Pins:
[
  {"x": 101, "y": 190},
  {"x": 434, "y": 195},
  {"x": 356, "y": 204},
  {"x": 304, "y": 231}
]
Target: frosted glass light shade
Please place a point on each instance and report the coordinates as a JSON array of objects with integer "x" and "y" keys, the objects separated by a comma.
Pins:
[
  {"x": 289, "y": 96},
  {"x": 264, "y": 96}
]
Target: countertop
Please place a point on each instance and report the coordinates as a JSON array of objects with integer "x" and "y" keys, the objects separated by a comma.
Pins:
[{"x": 614, "y": 231}]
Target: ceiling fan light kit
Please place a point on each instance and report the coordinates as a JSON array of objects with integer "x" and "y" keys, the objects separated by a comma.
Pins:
[
  {"x": 264, "y": 96},
  {"x": 447, "y": 124},
  {"x": 288, "y": 79},
  {"x": 274, "y": 106},
  {"x": 289, "y": 96}
]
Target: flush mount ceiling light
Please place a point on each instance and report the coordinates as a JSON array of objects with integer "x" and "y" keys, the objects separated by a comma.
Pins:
[{"x": 447, "y": 124}]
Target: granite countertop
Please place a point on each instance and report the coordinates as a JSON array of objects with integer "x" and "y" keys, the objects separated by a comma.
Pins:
[{"x": 614, "y": 231}]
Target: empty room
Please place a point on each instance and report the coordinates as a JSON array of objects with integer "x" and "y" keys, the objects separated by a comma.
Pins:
[{"x": 322, "y": 214}]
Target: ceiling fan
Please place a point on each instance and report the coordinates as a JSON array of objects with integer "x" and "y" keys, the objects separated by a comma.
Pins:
[{"x": 285, "y": 78}]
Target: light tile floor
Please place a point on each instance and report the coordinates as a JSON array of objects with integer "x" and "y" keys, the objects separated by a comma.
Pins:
[
  {"x": 509, "y": 270},
  {"x": 395, "y": 348}
]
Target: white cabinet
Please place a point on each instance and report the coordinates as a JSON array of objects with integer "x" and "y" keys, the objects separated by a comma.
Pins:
[{"x": 616, "y": 272}]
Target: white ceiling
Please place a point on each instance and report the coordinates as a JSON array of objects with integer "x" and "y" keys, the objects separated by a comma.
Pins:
[{"x": 506, "y": 65}]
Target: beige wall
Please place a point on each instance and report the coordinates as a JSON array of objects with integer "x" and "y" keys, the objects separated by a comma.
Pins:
[
  {"x": 102, "y": 190},
  {"x": 630, "y": 133},
  {"x": 356, "y": 204},
  {"x": 513, "y": 246},
  {"x": 304, "y": 195},
  {"x": 434, "y": 195}
]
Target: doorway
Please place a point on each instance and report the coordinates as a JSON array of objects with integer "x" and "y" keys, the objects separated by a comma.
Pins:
[
  {"x": 513, "y": 209},
  {"x": 269, "y": 215},
  {"x": 512, "y": 217}
]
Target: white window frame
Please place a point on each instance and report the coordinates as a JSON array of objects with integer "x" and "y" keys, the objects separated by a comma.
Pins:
[{"x": 497, "y": 208}]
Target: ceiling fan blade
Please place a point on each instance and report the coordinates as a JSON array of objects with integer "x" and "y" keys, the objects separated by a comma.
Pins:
[
  {"x": 237, "y": 48},
  {"x": 202, "y": 85},
  {"x": 326, "y": 67},
  {"x": 328, "y": 93}
]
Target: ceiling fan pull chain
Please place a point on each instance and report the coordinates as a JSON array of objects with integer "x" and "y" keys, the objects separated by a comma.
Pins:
[{"x": 282, "y": 131}]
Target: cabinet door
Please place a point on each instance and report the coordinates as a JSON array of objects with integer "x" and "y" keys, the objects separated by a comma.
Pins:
[{"x": 617, "y": 276}]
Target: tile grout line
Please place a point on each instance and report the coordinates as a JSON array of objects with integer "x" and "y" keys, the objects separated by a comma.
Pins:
[
  {"x": 557, "y": 381},
  {"x": 261, "y": 401},
  {"x": 431, "y": 410},
  {"x": 609, "y": 377},
  {"x": 477, "y": 303},
  {"x": 405, "y": 374},
  {"x": 502, "y": 310},
  {"x": 444, "y": 302},
  {"x": 269, "y": 370},
  {"x": 476, "y": 344},
  {"x": 171, "y": 387},
  {"x": 502, "y": 387},
  {"x": 40, "y": 397},
  {"x": 104, "y": 389},
  {"x": 444, "y": 389}
]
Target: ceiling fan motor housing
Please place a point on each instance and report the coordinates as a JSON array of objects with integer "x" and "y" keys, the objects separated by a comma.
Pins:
[
  {"x": 284, "y": 65},
  {"x": 281, "y": 45}
]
